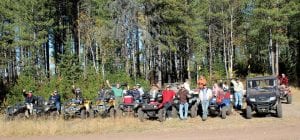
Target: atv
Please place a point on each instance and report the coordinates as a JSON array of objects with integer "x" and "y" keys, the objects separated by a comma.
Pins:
[
  {"x": 220, "y": 105},
  {"x": 130, "y": 105},
  {"x": 77, "y": 108},
  {"x": 18, "y": 110},
  {"x": 50, "y": 109},
  {"x": 152, "y": 108},
  {"x": 104, "y": 105},
  {"x": 285, "y": 94},
  {"x": 263, "y": 96}
]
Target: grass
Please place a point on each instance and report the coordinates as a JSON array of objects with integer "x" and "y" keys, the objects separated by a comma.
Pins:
[{"x": 100, "y": 126}]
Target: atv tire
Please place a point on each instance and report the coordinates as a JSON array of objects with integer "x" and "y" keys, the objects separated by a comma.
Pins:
[
  {"x": 174, "y": 112},
  {"x": 248, "y": 112},
  {"x": 194, "y": 111},
  {"x": 223, "y": 112},
  {"x": 229, "y": 109},
  {"x": 91, "y": 113},
  {"x": 141, "y": 114},
  {"x": 83, "y": 114},
  {"x": 161, "y": 115},
  {"x": 279, "y": 110},
  {"x": 112, "y": 113},
  {"x": 289, "y": 99}
]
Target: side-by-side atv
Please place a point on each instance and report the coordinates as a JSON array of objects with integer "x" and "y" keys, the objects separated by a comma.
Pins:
[
  {"x": 77, "y": 108},
  {"x": 220, "y": 105},
  {"x": 152, "y": 108},
  {"x": 263, "y": 96}
]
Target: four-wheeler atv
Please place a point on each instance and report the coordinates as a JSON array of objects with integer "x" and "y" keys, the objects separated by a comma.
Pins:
[
  {"x": 193, "y": 106},
  {"x": 220, "y": 105},
  {"x": 27, "y": 110},
  {"x": 262, "y": 96},
  {"x": 130, "y": 104},
  {"x": 18, "y": 110},
  {"x": 285, "y": 94},
  {"x": 50, "y": 109},
  {"x": 104, "y": 105},
  {"x": 75, "y": 108},
  {"x": 152, "y": 108}
]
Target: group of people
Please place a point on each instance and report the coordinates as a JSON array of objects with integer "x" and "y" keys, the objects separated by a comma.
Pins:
[{"x": 205, "y": 94}]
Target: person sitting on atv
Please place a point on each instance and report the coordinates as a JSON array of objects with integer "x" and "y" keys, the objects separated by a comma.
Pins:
[
  {"x": 78, "y": 95},
  {"x": 283, "y": 80},
  {"x": 30, "y": 100},
  {"x": 134, "y": 93},
  {"x": 154, "y": 90},
  {"x": 168, "y": 96},
  {"x": 118, "y": 92},
  {"x": 55, "y": 97}
]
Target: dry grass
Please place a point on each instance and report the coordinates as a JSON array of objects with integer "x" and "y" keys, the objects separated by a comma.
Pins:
[{"x": 133, "y": 125}]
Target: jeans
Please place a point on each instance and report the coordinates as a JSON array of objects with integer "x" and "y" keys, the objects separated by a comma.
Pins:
[
  {"x": 204, "y": 104},
  {"x": 57, "y": 104},
  {"x": 184, "y": 106},
  {"x": 238, "y": 96},
  {"x": 167, "y": 107}
]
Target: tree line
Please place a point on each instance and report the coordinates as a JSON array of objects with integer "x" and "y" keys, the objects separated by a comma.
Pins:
[{"x": 53, "y": 44}]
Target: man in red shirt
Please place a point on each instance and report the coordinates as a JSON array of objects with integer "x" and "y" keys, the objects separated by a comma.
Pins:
[
  {"x": 283, "y": 80},
  {"x": 168, "y": 96}
]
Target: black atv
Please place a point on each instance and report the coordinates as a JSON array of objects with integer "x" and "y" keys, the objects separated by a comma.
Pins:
[
  {"x": 16, "y": 111},
  {"x": 262, "y": 96},
  {"x": 50, "y": 109}
]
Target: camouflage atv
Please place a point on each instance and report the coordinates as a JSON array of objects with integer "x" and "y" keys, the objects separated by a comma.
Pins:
[
  {"x": 75, "y": 109},
  {"x": 16, "y": 111},
  {"x": 104, "y": 108}
]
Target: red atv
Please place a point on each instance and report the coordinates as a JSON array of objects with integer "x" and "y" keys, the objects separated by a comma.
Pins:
[
  {"x": 285, "y": 94},
  {"x": 152, "y": 108}
]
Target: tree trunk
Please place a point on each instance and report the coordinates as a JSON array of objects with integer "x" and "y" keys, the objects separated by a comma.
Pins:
[
  {"x": 231, "y": 44},
  {"x": 271, "y": 52},
  {"x": 210, "y": 45},
  {"x": 276, "y": 58}
]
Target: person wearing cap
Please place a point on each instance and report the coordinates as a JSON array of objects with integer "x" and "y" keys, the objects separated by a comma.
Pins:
[
  {"x": 183, "y": 106},
  {"x": 238, "y": 88},
  {"x": 168, "y": 96},
  {"x": 140, "y": 89},
  {"x": 56, "y": 98},
  {"x": 29, "y": 100}
]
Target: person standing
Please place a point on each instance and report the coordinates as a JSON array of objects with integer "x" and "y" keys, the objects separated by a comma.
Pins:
[
  {"x": 168, "y": 96},
  {"x": 238, "y": 93},
  {"x": 118, "y": 92},
  {"x": 183, "y": 106},
  {"x": 205, "y": 95},
  {"x": 201, "y": 82}
]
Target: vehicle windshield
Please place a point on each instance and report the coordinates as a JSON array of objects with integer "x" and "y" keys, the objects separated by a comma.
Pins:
[{"x": 261, "y": 86}]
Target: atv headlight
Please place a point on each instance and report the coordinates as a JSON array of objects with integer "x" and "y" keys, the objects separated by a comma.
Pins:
[
  {"x": 252, "y": 99},
  {"x": 46, "y": 103},
  {"x": 272, "y": 98}
]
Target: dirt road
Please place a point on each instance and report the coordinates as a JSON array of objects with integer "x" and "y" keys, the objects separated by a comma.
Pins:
[{"x": 233, "y": 127}]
